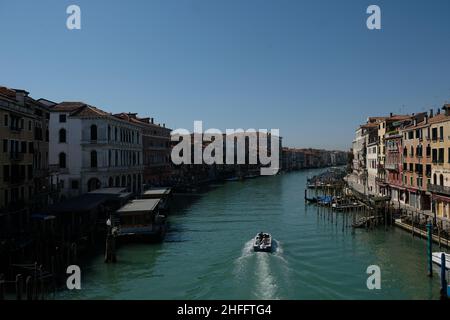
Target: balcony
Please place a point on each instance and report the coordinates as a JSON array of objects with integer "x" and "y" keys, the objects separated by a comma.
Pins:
[
  {"x": 439, "y": 189},
  {"x": 391, "y": 166},
  {"x": 14, "y": 180},
  {"x": 16, "y": 156},
  {"x": 15, "y": 129}
]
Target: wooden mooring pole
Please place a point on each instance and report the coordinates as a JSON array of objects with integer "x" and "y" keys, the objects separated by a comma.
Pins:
[
  {"x": 29, "y": 288},
  {"x": 430, "y": 249},
  {"x": 2, "y": 287},
  {"x": 444, "y": 288},
  {"x": 110, "y": 252},
  {"x": 19, "y": 287}
]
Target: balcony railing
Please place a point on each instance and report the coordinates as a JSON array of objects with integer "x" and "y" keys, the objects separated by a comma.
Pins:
[
  {"x": 439, "y": 189},
  {"x": 16, "y": 156},
  {"x": 391, "y": 166},
  {"x": 15, "y": 129}
]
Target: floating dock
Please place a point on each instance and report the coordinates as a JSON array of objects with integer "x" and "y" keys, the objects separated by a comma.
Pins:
[{"x": 422, "y": 233}]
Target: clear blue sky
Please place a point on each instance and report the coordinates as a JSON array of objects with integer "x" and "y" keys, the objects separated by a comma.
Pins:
[{"x": 310, "y": 68}]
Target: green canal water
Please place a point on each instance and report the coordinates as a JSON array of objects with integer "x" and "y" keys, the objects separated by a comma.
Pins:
[{"x": 207, "y": 253}]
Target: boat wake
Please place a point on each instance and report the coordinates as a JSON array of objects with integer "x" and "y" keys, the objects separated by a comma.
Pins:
[
  {"x": 277, "y": 251},
  {"x": 260, "y": 269},
  {"x": 266, "y": 285},
  {"x": 242, "y": 262}
]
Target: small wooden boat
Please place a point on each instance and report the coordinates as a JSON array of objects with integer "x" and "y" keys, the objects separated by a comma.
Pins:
[
  {"x": 324, "y": 200},
  {"x": 311, "y": 200},
  {"x": 362, "y": 222},
  {"x": 263, "y": 242}
]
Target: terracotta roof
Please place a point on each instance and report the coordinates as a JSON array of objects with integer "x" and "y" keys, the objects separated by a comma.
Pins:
[
  {"x": 67, "y": 106},
  {"x": 439, "y": 118},
  {"x": 130, "y": 117},
  {"x": 8, "y": 92},
  {"x": 418, "y": 125},
  {"x": 370, "y": 125},
  {"x": 133, "y": 118},
  {"x": 79, "y": 109},
  {"x": 87, "y": 111},
  {"x": 397, "y": 117},
  {"x": 377, "y": 119}
]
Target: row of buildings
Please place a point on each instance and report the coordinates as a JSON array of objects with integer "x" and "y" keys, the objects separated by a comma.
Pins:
[
  {"x": 296, "y": 159},
  {"x": 54, "y": 151},
  {"x": 405, "y": 158}
]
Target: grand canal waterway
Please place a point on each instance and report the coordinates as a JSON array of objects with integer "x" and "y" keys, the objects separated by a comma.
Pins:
[{"x": 207, "y": 253}]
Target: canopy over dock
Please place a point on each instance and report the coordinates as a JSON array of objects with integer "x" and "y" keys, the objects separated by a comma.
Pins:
[
  {"x": 139, "y": 206},
  {"x": 156, "y": 193},
  {"x": 115, "y": 192}
]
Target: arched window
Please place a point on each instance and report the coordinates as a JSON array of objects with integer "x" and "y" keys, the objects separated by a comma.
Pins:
[
  {"x": 109, "y": 132},
  {"x": 62, "y": 135},
  {"x": 441, "y": 180},
  {"x": 62, "y": 160},
  {"x": 93, "y": 159},
  {"x": 94, "y": 184},
  {"x": 111, "y": 182},
  {"x": 94, "y": 132},
  {"x": 434, "y": 179},
  {"x": 117, "y": 181}
]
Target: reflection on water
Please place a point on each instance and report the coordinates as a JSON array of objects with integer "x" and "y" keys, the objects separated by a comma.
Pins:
[{"x": 208, "y": 252}]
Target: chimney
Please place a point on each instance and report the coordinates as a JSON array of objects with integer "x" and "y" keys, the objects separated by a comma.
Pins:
[
  {"x": 445, "y": 108},
  {"x": 438, "y": 111},
  {"x": 415, "y": 122},
  {"x": 390, "y": 115},
  {"x": 431, "y": 113},
  {"x": 425, "y": 118},
  {"x": 20, "y": 96},
  {"x": 152, "y": 120},
  {"x": 164, "y": 125}
]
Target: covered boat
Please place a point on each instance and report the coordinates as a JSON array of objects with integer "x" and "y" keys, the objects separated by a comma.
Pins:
[
  {"x": 141, "y": 220},
  {"x": 164, "y": 194},
  {"x": 263, "y": 242}
]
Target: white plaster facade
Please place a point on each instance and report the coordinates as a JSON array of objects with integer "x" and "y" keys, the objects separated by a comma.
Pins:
[
  {"x": 100, "y": 150},
  {"x": 372, "y": 168}
]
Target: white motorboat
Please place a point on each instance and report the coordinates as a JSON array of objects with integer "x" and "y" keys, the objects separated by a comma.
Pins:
[{"x": 263, "y": 242}]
